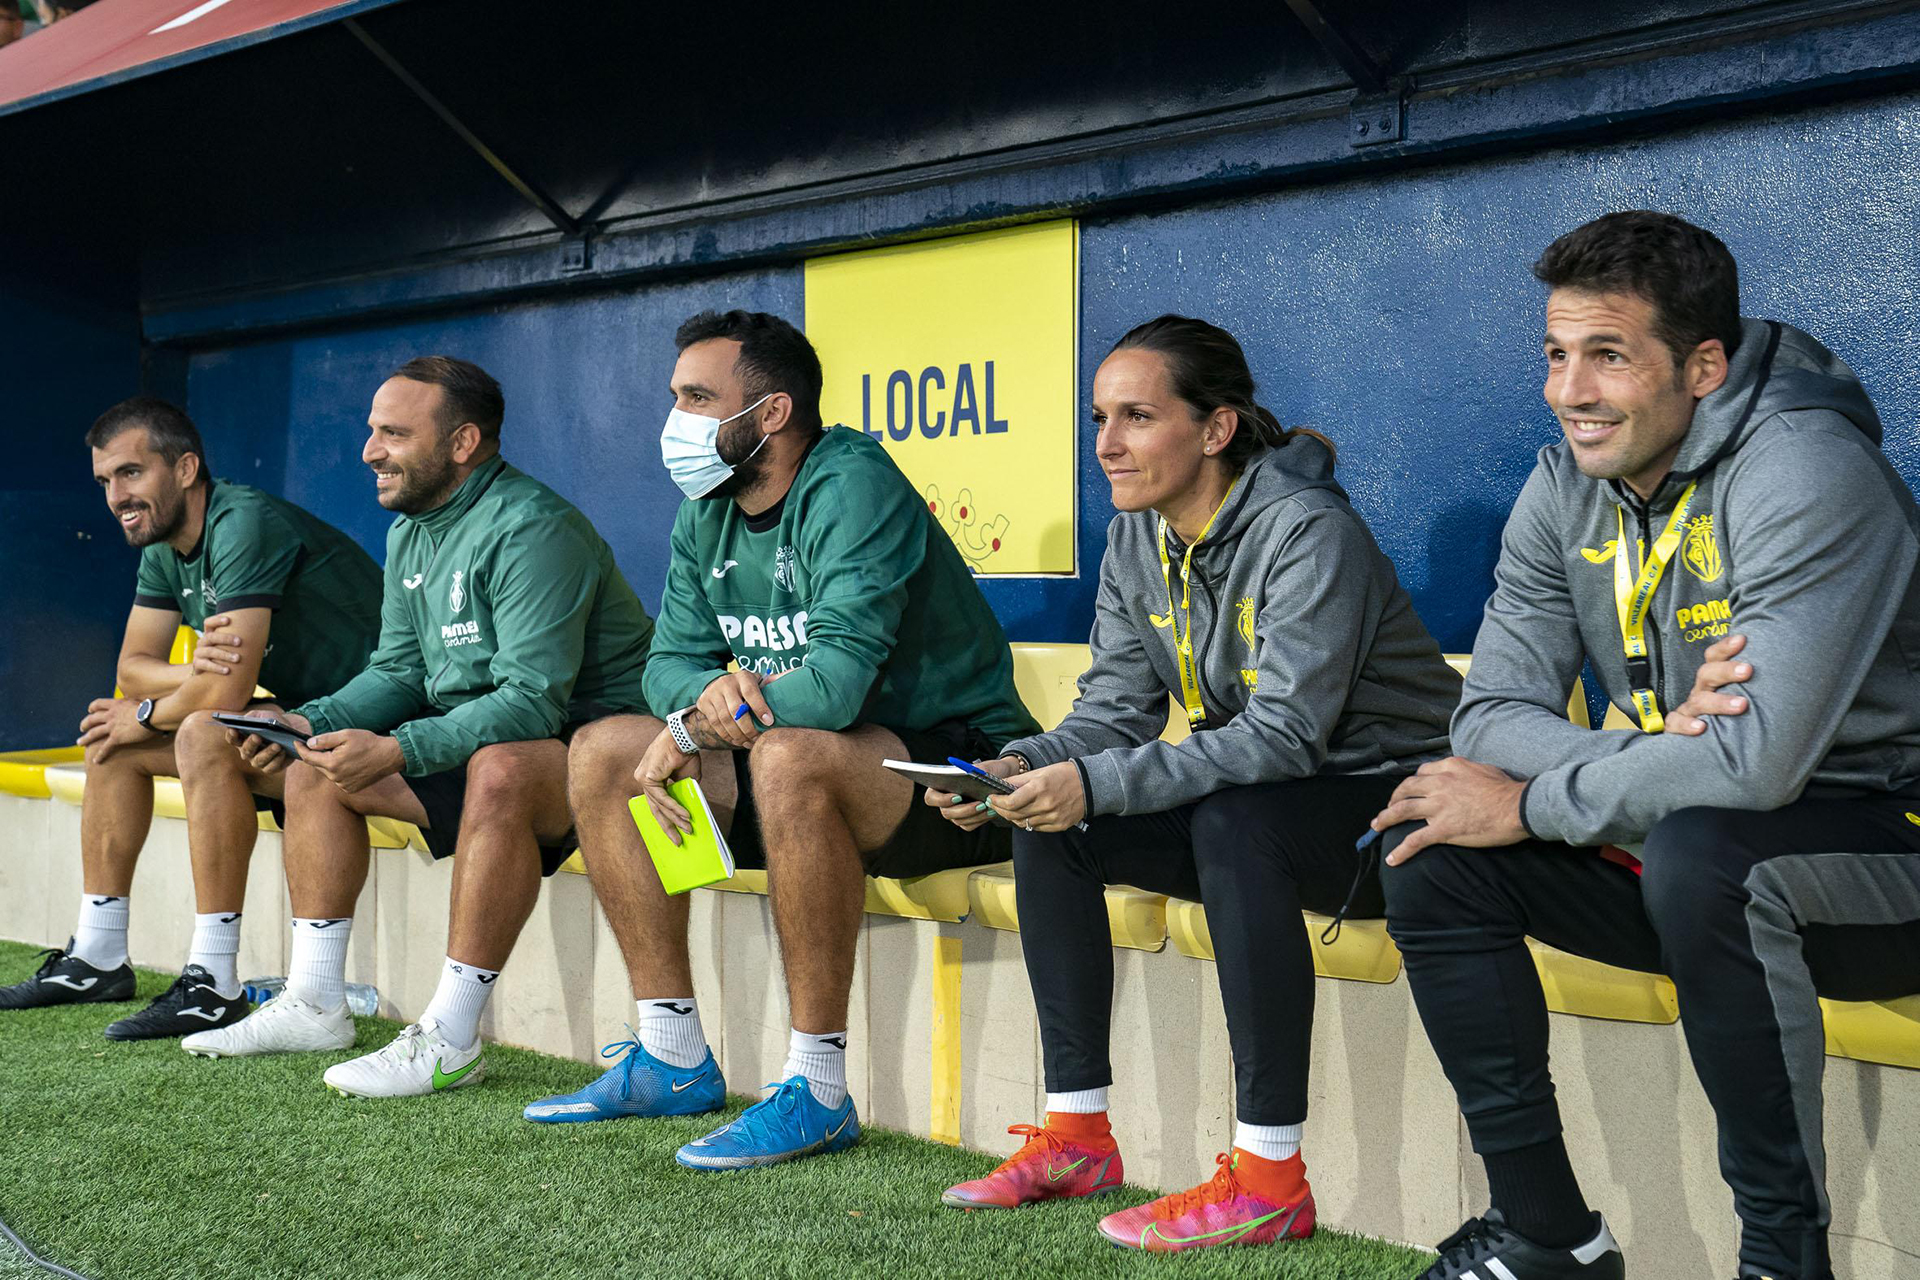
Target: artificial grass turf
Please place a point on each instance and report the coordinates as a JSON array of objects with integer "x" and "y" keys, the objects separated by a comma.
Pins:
[{"x": 138, "y": 1160}]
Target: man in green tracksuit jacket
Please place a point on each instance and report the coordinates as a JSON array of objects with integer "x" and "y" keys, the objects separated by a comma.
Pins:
[
  {"x": 854, "y": 632},
  {"x": 505, "y": 623},
  {"x": 300, "y": 598}
]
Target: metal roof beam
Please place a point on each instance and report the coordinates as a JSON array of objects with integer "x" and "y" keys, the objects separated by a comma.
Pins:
[
  {"x": 526, "y": 187},
  {"x": 1353, "y": 60}
]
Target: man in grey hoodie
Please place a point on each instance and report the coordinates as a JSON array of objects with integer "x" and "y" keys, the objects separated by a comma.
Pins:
[{"x": 1718, "y": 475}]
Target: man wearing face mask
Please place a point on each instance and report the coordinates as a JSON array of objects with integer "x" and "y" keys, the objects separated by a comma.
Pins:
[
  {"x": 807, "y": 560},
  {"x": 505, "y": 624}
]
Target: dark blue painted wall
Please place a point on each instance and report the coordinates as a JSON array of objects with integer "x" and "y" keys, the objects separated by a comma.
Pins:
[
  {"x": 71, "y": 338},
  {"x": 585, "y": 380},
  {"x": 1400, "y": 318},
  {"x": 1397, "y": 316}
]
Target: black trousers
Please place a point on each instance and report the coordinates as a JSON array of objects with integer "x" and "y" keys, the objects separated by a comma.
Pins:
[
  {"x": 1750, "y": 913},
  {"x": 1254, "y": 856}
]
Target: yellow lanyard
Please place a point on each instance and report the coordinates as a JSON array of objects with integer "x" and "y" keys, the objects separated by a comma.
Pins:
[
  {"x": 1183, "y": 636},
  {"x": 1634, "y": 599}
]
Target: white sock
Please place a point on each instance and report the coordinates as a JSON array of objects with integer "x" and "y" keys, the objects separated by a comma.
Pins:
[
  {"x": 317, "y": 970},
  {"x": 1081, "y": 1102},
  {"x": 823, "y": 1061},
  {"x": 670, "y": 1031},
  {"x": 216, "y": 948},
  {"x": 100, "y": 938},
  {"x": 1268, "y": 1141},
  {"x": 459, "y": 1001}
]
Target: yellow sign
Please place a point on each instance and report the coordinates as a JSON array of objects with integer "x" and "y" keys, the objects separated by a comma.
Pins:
[{"x": 958, "y": 356}]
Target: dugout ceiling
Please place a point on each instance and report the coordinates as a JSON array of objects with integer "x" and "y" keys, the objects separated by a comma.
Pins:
[{"x": 419, "y": 154}]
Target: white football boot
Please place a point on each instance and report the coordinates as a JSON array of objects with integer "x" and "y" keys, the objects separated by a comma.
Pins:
[
  {"x": 284, "y": 1024},
  {"x": 418, "y": 1061}
]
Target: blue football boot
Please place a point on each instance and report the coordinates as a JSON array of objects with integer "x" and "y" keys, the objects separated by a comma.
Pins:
[
  {"x": 787, "y": 1124},
  {"x": 639, "y": 1084}
]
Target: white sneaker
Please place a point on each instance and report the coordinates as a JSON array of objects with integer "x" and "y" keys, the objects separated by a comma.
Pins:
[
  {"x": 419, "y": 1061},
  {"x": 284, "y": 1024}
]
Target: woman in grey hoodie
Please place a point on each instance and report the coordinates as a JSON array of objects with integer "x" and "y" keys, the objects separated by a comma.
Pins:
[{"x": 1238, "y": 580}]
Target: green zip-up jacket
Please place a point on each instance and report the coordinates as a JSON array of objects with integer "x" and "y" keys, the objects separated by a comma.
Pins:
[
  {"x": 848, "y": 591},
  {"x": 504, "y": 617}
]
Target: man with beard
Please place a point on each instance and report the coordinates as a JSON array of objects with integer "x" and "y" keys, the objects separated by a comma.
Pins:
[
  {"x": 505, "y": 623},
  {"x": 1720, "y": 492},
  {"x": 285, "y": 601},
  {"x": 809, "y": 563}
]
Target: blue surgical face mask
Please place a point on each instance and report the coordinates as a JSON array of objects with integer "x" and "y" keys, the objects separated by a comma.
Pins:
[{"x": 690, "y": 446}]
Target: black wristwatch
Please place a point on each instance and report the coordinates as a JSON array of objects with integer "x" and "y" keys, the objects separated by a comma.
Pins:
[{"x": 144, "y": 715}]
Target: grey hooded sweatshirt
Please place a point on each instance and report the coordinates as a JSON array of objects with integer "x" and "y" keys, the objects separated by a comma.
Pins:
[
  {"x": 1311, "y": 658},
  {"x": 1801, "y": 537}
]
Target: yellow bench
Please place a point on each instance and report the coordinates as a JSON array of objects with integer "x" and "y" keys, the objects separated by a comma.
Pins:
[
  {"x": 67, "y": 782},
  {"x": 24, "y": 773}
]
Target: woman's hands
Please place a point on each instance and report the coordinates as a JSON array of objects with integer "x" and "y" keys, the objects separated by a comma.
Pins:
[
  {"x": 968, "y": 814},
  {"x": 1049, "y": 799},
  {"x": 1046, "y": 799}
]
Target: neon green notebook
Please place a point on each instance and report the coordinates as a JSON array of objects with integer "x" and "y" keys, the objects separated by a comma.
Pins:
[{"x": 699, "y": 859}]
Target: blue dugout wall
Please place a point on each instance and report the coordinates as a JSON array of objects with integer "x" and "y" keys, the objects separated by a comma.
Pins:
[
  {"x": 1388, "y": 305},
  {"x": 1399, "y": 317}
]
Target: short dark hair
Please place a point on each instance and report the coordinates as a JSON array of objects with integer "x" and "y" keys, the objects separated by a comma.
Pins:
[
  {"x": 472, "y": 394},
  {"x": 1682, "y": 271},
  {"x": 774, "y": 356},
  {"x": 170, "y": 432}
]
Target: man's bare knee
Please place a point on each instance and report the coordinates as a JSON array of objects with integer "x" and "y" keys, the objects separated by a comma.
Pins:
[
  {"x": 604, "y": 753},
  {"x": 500, "y": 785},
  {"x": 201, "y": 743},
  {"x": 786, "y": 758},
  {"x": 306, "y": 783}
]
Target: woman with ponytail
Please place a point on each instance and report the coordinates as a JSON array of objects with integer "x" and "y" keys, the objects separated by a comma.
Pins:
[{"x": 1238, "y": 580}]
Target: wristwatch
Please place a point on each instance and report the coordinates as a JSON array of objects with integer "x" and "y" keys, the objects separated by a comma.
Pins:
[
  {"x": 143, "y": 715},
  {"x": 677, "y": 726}
]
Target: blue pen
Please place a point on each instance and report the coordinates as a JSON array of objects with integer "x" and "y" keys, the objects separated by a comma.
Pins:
[
  {"x": 1360, "y": 845},
  {"x": 742, "y": 711},
  {"x": 967, "y": 766}
]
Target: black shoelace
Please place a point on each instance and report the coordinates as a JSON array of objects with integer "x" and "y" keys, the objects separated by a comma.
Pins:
[
  {"x": 176, "y": 995},
  {"x": 54, "y": 955},
  {"x": 1460, "y": 1249}
]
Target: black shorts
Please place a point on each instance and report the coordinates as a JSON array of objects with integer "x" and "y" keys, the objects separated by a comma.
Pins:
[
  {"x": 444, "y": 796},
  {"x": 924, "y": 842}
]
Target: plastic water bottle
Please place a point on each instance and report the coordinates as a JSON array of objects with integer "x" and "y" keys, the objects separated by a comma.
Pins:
[{"x": 362, "y": 1000}]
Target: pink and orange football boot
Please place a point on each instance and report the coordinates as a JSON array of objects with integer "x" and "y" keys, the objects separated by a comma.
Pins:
[
  {"x": 1071, "y": 1157},
  {"x": 1249, "y": 1201}
]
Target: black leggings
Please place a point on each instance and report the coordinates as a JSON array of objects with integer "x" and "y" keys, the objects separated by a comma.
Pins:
[
  {"x": 1750, "y": 913},
  {"x": 1255, "y": 856}
]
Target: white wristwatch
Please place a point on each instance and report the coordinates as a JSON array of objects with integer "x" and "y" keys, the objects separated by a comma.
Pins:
[{"x": 677, "y": 726}]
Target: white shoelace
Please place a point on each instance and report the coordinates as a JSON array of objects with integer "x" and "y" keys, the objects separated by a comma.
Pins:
[{"x": 406, "y": 1046}]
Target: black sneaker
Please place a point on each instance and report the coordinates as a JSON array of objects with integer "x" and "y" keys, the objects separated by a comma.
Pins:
[
  {"x": 1488, "y": 1249},
  {"x": 191, "y": 1004},
  {"x": 67, "y": 979}
]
